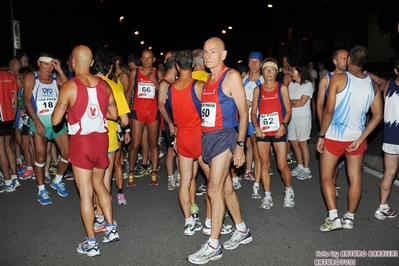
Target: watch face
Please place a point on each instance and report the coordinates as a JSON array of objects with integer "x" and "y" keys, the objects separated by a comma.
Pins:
[{"x": 241, "y": 143}]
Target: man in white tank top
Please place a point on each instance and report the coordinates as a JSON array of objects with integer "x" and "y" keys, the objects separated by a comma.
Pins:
[{"x": 344, "y": 131}]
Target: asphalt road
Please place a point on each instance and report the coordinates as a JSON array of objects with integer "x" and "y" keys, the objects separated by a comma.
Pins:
[{"x": 151, "y": 227}]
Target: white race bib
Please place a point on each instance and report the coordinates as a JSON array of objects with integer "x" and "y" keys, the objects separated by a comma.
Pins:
[
  {"x": 146, "y": 90},
  {"x": 45, "y": 105},
  {"x": 269, "y": 122},
  {"x": 208, "y": 114}
]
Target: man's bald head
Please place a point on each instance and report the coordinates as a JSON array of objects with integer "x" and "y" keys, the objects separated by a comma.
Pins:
[
  {"x": 14, "y": 65},
  {"x": 216, "y": 43},
  {"x": 83, "y": 56}
]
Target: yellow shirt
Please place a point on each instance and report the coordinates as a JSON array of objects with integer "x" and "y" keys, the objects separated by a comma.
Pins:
[
  {"x": 200, "y": 75},
  {"x": 122, "y": 107}
]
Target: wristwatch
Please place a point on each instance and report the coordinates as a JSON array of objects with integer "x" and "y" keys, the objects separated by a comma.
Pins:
[
  {"x": 321, "y": 136},
  {"x": 241, "y": 143}
]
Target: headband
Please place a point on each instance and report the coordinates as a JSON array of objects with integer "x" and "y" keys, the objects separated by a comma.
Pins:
[
  {"x": 45, "y": 59},
  {"x": 269, "y": 63}
]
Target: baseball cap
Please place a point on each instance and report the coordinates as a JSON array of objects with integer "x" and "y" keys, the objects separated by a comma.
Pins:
[{"x": 255, "y": 55}]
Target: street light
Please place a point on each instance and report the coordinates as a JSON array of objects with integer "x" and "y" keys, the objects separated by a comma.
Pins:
[{"x": 121, "y": 18}]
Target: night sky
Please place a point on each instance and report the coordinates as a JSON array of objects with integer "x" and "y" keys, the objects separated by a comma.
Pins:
[{"x": 57, "y": 26}]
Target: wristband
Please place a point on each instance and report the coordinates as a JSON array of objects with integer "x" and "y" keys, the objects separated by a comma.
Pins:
[
  {"x": 284, "y": 124},
  {"x": 322, "y": 136},
  {"x": 127, "y": 130}
]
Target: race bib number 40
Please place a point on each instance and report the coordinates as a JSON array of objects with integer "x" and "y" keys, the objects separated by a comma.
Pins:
[{"x": 208, "y": 114}]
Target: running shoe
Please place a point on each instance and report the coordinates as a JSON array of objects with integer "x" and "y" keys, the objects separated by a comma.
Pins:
[
  {"x": 44, "y": 198},
  {"x": 255, "y": 193},
  {"x": 330, "y": 225},
  {"x": 177, "y": 178},
  {"x": 60, "y": 187},
  {"x": 7, "y": 188},
  {"x": 27, "y": 174},
  {"x": 171, "y": 184},
  {"x": 237, "y": 185},
  {"x": 347, "y": 222},
  {"x": 47, "y": 178},
  {"x": 337, "y": 191},
  {"x": 237, "y": 239},
  {"x": 111, "y": 235},
  {"x": 121, "y": 199},
  {"x": 289, "y": 199},
  {"x": 191, "y": 227},
  {"x": 154, "y": 179},
  {"x": 16, "y": 183},
  {"x": 21, "y": 167},
  {"x": 130, "y": 181},
  {"x": 266, "y": 203},
  {"x": 161, "y": 154},
  {"x": 90, "y": 250},
  {"x": 53, "y": 168},
  {"x": 383, "y": 214},
  {"x": 99, "y": 226},
  {"x": 304, "y": 175},
  {"x": 296, "y": 171},
  {"x": 291, "y": 160},
  {"x": 69, "y": 176},
  {"x": 201, "y": 190},
  {"x": 342, "y": 165},
  {"x": 270, "y": 171},
  {"x": 205, "y": 254},
  {"x": 249, "y": 176},
  {"x": 226, "y": 229},
  {"x": 141, "y": 171}
]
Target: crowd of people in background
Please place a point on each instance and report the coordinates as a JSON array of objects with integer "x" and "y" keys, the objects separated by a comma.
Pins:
[{"x": 223, "y": 123}]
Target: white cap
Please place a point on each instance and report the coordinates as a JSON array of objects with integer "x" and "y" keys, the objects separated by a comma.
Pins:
[{"x": 45, "y": 59}]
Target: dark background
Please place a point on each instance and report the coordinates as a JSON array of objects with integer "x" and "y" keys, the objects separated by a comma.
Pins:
[{"x": 57, "y": 27}]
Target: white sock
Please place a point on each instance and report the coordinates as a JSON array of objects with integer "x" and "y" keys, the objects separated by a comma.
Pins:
[
  {"x": 41, "y": 187},
  {"x": 300, "y": 166},
  {"x": 171, "y": 177},
  {"x": 100, "y": 218},
  {"x": 57, "y": 178},
  {"x": 242, "y": 227},
  {"x": 350, "y": 215},
  {"x": 213, "y": 243},
  {"x": 384, "y": 207},
  {"x": 256, "y": 185},
  {"x": 235, "y": 179},
  {"x": 190, "y": 220},
  {"x": 332, "y": 214},
  {"x": 208, "y": 223},
  {"x": 267, "y": 194}
]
